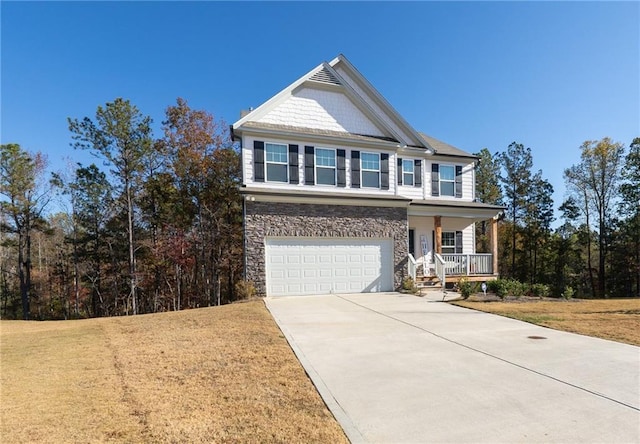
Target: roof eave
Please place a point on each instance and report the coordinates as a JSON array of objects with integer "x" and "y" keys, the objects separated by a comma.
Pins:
[
  {"x": 382, "y": 102},
  {"x": 330, "y": 139}
]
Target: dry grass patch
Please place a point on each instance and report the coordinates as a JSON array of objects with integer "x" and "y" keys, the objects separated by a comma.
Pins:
[
  {"x": 223, "y": 374},
  {"x": 614, "y": 319}
]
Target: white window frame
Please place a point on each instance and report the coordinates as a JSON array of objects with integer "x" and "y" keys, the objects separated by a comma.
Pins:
[
  {"x": 412, "y": 172},
  {"x": 452, "y": 181},
  {"x": 271, "y": 162},
  {"x": 334, "y": 167},
  {"x": 453, "y": 247},
  {"x": 363, "y": 169}
]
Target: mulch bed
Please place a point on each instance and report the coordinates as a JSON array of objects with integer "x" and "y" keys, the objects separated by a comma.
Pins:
[{"x": 492, "y": 297}]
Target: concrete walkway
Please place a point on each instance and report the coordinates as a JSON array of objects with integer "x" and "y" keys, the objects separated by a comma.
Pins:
[{"x": 398, "y": 368}]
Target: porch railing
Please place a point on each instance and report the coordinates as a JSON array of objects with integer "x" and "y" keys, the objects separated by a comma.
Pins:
[
  {"x": 412, "y": 267},
  {"x": 468, "y": 264},
  {"x": 441, "y": 269}
]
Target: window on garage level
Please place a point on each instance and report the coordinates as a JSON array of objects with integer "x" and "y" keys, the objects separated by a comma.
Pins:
[
  {"x": 325, "y": 166},
  {"x": 448, "y": 242},
  {"x": 370, "y": 168},
  {"x": 276, "y": 160}
]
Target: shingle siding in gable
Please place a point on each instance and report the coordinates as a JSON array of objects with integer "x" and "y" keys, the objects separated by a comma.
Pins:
[
  {"x": 328, "y": 110},
  {"x": 375, "y": 107}
]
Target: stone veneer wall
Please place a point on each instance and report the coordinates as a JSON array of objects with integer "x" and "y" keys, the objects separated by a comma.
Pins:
[{"x": 264, "y": 219}]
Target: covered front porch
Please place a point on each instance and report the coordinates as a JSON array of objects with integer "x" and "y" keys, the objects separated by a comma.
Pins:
[{"x": 442, "y": 242}]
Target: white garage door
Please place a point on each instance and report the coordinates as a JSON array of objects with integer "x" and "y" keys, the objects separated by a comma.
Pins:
[{"x": 304, "y": 266}]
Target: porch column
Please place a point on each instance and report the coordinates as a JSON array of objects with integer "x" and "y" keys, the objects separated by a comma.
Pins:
[
  {"x": 494, "y": 244},
  {"x": 437, "y": 222}
]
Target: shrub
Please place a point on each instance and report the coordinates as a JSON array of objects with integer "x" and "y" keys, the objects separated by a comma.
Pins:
[
  {"x": 499, "y": 287},
  {"x": 540, "y": 290},
  {"x": 409, "y": 285},
  {"x": 516, "y": 288},
  {"x": 568, "y": 293},
  {"x": 466, "y": 288},
  {"x": 245, "y": 290}
]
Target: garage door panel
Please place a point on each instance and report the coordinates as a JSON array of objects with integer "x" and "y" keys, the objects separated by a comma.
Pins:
[
  {"x": 293, "y": 259},
  {"x": 370, "y": 273},
  {"x": 298, "y": 266},
  {"x": 293, "y": 273},
  {"x": 340, "y": 272},
  {"x": 278, "y": 274}
]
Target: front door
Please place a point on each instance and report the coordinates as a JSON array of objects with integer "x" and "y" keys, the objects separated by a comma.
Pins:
[{"x": 412, "y": 242}]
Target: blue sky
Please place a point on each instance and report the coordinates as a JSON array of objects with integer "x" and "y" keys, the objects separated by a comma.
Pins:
[{"x": 549, "y": 75}]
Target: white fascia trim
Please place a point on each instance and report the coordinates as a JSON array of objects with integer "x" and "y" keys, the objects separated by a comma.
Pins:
[
  {"x": 465, "y": 213},
  {"x": 317, "y": 138},
  {"x": 382, "y": 102},
  {"x": 319, "y": 200},
  {"x": 414, "y": 152},
  {"x": 274, "y": 101},
  {"x": 363, "y": 105}
]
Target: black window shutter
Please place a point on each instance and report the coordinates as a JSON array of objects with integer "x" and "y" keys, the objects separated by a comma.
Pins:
[
  {"x": 458, "y": 181},
  {"x": 293, "y": 164},
  {"x": 458, "y": 242},
  {"x": 384, "y": 171},
  {"x": 417, "y": 173},
  {"x": 309, "y": 163},
  {"x": 258, "y": 161},
  {"x": 355, "y": 169},
  {"x": 399, "y": 173},
  {"x": 342, "y": 173},
  {"x": 435, "y": 179}
]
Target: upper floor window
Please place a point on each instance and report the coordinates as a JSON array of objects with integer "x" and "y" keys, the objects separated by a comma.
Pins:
[
  {"x": 325, "y": 166},
  {"x": 276, "y": 162},
  {"x": 407, "y": 172},
  {"x": 447, "y": 180},
  {"x": 370, "y": 167}
]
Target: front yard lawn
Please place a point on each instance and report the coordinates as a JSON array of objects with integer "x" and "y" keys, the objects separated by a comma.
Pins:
[
  {"x": 613, "y": 319},
  {"x": 222, "y": 374}
]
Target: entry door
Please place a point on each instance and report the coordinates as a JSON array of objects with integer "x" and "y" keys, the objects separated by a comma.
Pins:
[{"x": 412, "y": 242}]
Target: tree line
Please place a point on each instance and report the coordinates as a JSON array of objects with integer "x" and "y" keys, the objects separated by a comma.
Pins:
[
  {"x": 595, "y": 251},
  {"x": 156, "y": 224},
  {"x": 156, "y": 227}
]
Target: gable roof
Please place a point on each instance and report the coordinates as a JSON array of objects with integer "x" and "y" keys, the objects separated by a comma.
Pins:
[
  {"x": 361, "y": 95},
  {"x": 445, "y": 149},
  {"x": 339, "y": 76}
]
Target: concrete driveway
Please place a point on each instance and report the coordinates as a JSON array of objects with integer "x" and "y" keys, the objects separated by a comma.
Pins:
[{"x": 398, "y": 368}]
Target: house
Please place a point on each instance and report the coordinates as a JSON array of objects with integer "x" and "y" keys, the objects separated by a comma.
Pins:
[{"x": 342, "y": 195}]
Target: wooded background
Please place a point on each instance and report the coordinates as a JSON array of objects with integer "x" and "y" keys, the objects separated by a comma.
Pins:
[{"x": 159, "y": 226}]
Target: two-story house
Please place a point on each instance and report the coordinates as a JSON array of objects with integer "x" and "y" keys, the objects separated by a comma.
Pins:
[{"x": 342, "y": 195}]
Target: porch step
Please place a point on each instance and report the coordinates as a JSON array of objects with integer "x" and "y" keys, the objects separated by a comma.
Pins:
[{"x": 428, "y": 282}]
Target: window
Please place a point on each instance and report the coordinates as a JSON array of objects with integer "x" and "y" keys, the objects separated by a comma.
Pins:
[
  {"x": 325, "y": 166},
  {"x": 370, "y": 167},
  {"x": 448, "y": 242},
  {"x": 407, "y": 172},
  {"x": 277, "y": 162},
  {"x": 447, "y": 180}
]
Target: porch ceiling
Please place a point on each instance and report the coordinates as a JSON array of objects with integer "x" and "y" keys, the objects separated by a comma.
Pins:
[{"x": 446, "y": 208}]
